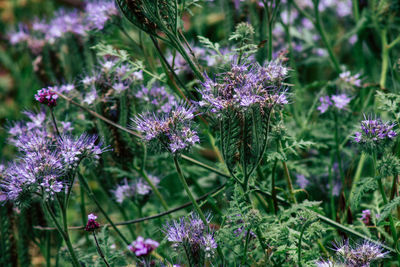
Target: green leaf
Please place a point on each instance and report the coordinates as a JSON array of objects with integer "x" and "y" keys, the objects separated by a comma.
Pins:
[
  {"x": 388, "y": 208},
  {"x": 364, "y": 186}
]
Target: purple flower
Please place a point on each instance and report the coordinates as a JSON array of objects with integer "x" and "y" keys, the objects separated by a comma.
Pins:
[
  {"x": 341, "y": 101},
  {"x": 361, "y": 254},
  {"x": 374, "y": 131},
  {"x": 142, "y": 247},
  {"x": 157, "y": 98},
  {"x": 325, "y": 104},
  {"x": 19, "y": 36},
  {"x": 99, "y": 12},
  {"x": 47, "y": 96},
  {"x": 366, "y": 217},
  {"x": 191, "y": 233},
  {"x": 302, "y": 181},
  {"x": 171, "y": 131},
  {"x": 92, "y": 224},
  {"x": 351, "y": 80},
  {"x": 73, "y": 150},
  {"x": 244, "y": 87},
  {"x": 134, "y": 189}
]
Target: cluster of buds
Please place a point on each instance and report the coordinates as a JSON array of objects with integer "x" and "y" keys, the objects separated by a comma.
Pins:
[
  {"x": 47, "y": 96},
  {"x": 92, "y": 224}
]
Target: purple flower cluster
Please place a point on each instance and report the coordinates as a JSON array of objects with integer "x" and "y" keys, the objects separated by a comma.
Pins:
[
  {"x": 366, "y": 217},
  {"x": 131, "y": 190},
  {"x": 171, "y": 130},
  {"x": 375, "y": 131},
  {"x": 245, "y": 86},
  {"x": 45, "y": 161},
  {"x": 160, "y": 100},
  {"x": 47, "y": 96},
  {"x": 142, "y": 247},
  {"x": 192, "y": 234},
  {"x": 360, "y": 255},
  {"x": 351, "y": 80},
  {"x": 96, "y": 15},
  {"x": 340, "y": 101},
  {"x": 92, "y": 224}
]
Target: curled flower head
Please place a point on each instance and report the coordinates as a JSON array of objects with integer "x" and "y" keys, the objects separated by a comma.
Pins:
[
  {"x": 142, "y": 247},
  {"x": 45, "y": 163},
  {"x": 375, "y": 134},
  {"x": 243, "y": 87},
  {"x": 171, "y": 131},
  {"x": 73, "y": 149},
  {"x": 92, "y": 224},
  {"x": 47, "y": 96},
  {"x": 191, "y": 234},
  {"x": 361, "y": 254}
]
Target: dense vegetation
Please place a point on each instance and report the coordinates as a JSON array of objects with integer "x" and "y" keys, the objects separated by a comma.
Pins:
[{"x": 200, "y": 133}]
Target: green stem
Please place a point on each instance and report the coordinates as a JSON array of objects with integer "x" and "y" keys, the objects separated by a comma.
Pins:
[
  {"x": 337, "y": 148},
  {"x": 288, "y": 178},
  {"x": 357, "y": 175},
  {"x": 303, "y": 229},
  {"x": 246, "y": 244},
  {"x": 100, "y": 251},
  {"x": 154, "y": 188},
  {"x": 83, "y": 210},
  {"x": 385, "y": 201},
  {"x": 188, "y": 192},
  {"x": 385, "y": 58},
  {"x": 356, "y": 12},
  {"x": 193, "y": 200},
  {"x": 83, "y": 181},
  {"x": 64, "y": 234},
  {"x": 321, "y": 30}
]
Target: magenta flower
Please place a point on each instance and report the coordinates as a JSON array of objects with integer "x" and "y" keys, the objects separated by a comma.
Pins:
[
  {"x": 47, "y": 96},
  {"x": 366, "y": 217},
  {"x": 341, "y": 101},
  {"x": 142, "y": 247},
  {"x": 92, "y": 224}
]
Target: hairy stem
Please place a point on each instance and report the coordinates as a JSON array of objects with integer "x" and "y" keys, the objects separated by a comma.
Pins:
[{"x": 100, "y": 251}]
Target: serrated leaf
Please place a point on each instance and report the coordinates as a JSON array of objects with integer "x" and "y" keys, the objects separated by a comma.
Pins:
[
  {"x": 364, "y": 186},
  {"x": 388, "y": 208}
]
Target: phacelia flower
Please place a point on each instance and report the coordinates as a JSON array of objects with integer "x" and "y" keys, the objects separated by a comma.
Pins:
[
  {"x": 191, "y": 235},
  {"x": 366, "y": 217},
  {"x": 325, "y": 104},
  {"x": 45, "y": 161},
  {"x": 375, "y": 134},
  {"x": 351, "y": 80},
  {"x": 73, "y": 149},
  {"x": 134, "y": 190},
  {"x": 92, "y": 224},
  {"x": 171, "y": 131},
  {"x": 99, "y": 12},
  {"x": 359, "y": 255},
  {"x": 142, "y": 247},
  {"x": 47, "y": 96},
  {"x": 341, "y": 101},
  {"x": 243, "y": 87},
  {"x": 157, "y": 98}
]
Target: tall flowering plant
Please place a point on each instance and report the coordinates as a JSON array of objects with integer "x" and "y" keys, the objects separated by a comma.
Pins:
[{"x": 243, "y": 100}]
